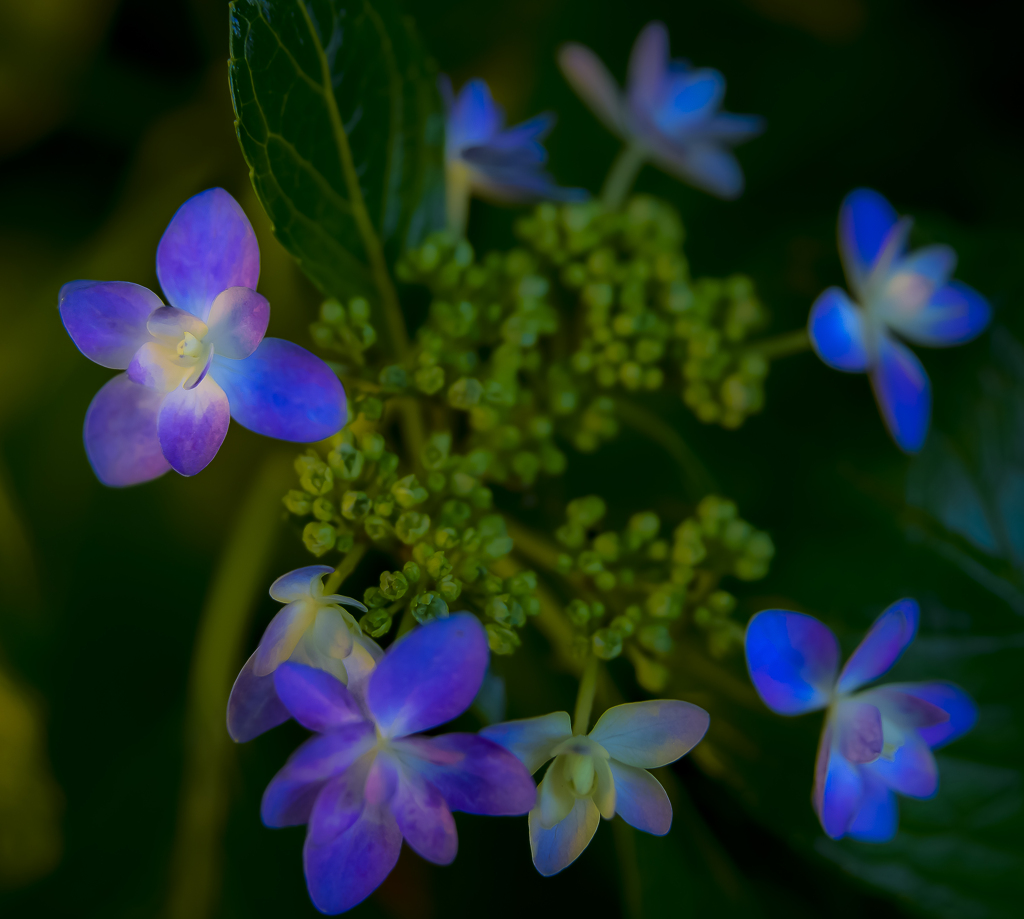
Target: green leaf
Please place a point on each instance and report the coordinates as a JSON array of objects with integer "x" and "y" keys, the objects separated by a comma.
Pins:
[{"x": 339, "y": 118}]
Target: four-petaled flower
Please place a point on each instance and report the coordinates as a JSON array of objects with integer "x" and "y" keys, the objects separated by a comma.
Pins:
[
  {"x": 897, "y": 291},
  {"x": 195, "y": 364},
  {"x": 312, "y": 629},
  {"x": 670, "y": 112},
  {"x": 875, "y": 742},
  {"x": 482, "y": 157},
  {"x": 369, "y": 779},
  {"x": 601, "y": 773}
]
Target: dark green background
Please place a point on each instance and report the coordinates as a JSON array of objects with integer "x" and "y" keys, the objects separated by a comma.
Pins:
[{"x": 122, "y": 118}]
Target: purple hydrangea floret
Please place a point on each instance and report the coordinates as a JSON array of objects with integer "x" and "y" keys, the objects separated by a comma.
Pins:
[
  {"x": 876, "y": 742},
  {"x": 670, "y": 111},
  {"x": 195, "y": 364},
  {"x": 369, "y": 778},
  {"x": 485, "y": 158},
  {"x": 894, "y": 291}
]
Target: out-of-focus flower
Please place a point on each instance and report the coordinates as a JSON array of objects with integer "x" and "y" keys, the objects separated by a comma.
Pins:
[
  {"x": 195, "y": 364},
  {"x": 368, "y": 779},
  {"x": 874, "y": 743},
  {"x": 312, "y": 629},
  {"x": 909, "y": 293},
  {"x": 601, "y": 773},
  {"x": 670, "y": 112},
  {"x": 484, "y": 158}
]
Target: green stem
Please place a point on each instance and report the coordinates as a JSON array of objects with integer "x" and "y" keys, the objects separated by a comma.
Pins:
[
  {"x": 239, "y": 580},
  {"x": 585, "y": 696},
  {"x": 533, "y": 545},
  {"x": 697, "y": 480},
  {"x": 622, "y": 175},
  {"x": 345, "y": 567},
  {"x": 629, "y": 869},
  {"x": 781, "y": 345}
]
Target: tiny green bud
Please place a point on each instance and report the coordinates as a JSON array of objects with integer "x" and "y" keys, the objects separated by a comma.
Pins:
[
  {"x": 491, "y": 583},
  {"x": 586, "y": 511},
  {"x": 435, "y": 451},
  {"x": 623, "y": 625},
  {"x": 465, "y": 393},
  {"x": 607, "y": 546},
  {"x": 502, "y": 640},
  {"x": 314, "y": 475},
  {"x": 421, "y": 552},
  {"x": 346, "y": 461},
  {"x": 393, "y": 584},
  {"x": 429, "y": 379},
  {"x": 722, "y": 602},
  {"x": 323, "y": 509},
  {"x": 606, "y": 580},
  {"x": 590, "y": 563},
  {"x": 375, "y": 623},
  {"x": 655, "y": 638},
  {"x": 298, "y": 502},
  {"x": 408, "y": 492},
  {"x": 428, "y": 606},
  {"x": 664, "y": 605},
  {"x": 393, "y": 378},
  {"x": 318, "y": 537},
  {"x": 377, "y": 528},
  {"x": 332, "y": 312},
  {"x": 371, "y": 408},
  {"x": 373, "y": 598},
  {"x": 578, "y": 612},
  {"x": 449, "y": 587},
  {"x": 387, "y": 463},
  {"x": 372, "y": 445},
  {"x": 411, "y": 571},
  {"x": 438, "y": 566},
  {"x": 436, "y": 481},
  {"x": 522, "y": 583},
  {"x": 412, "y": 526},
  {"x": 359, "y": 309},
  {"x": 644, "y": 525},
  {"x": 607, "y": 644},
  {"x": 384, "y": 507},
  {"x": 355, "y": 505}
]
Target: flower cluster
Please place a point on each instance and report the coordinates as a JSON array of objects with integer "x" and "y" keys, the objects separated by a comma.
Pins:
[
  {"x": 639, "y": 592},
  {"x": 876, "y": 742}
]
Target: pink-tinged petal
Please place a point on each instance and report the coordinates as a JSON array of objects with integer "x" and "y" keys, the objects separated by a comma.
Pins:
[
  {"x": 903, "y": 393},
  {"x": 878, "y": 817},
  {"x": 156, "y": 366},
  {"x": 283, "y": 391},
  {"x": 954, "y": 314},
  {"x": 208, "y": 246},
  {"x": 841, "y": 794},
  {"x": 650, "y": 734},
  {"x": 289, "y": 798},
  {"x": 107, "y": 319},
  {"x": 706, "y": 166},
  {"x": 885, "y": 641},
  {"x": 192, "y": 425},
  {"x": 430, "y": 676},
  {"x": 648, "y": 65},
  {"x": 171, "y": 323},
  {"x": 238, "y": 321},
  {"x": 472, "y": 773},
  {"x": 865, "y": 222},
  {"x": 836, "y": 330},
  {"x": 960, "y": 709},
  {"x": 253, "y": 706},
  {"x": 531, "y": 739},
  {"x": 344, "y": 872},
  {"x": 121, "y": 438},
  {"x": 640, "y": 799},
  {"x": 282, "y": 635},
  {"x": 858, "y": 727},
  {"x": 792, "y": 659},
  {"x": 903, "y": 709},
  {"x": 588, "y": 75},
  {"x": 315, "y": 699},
  {"x": 424, "y": 818},
  {"x": 912, "y": 770},
  {"x": 556, "y": 848},
  {"x": 297, "y": 584}
]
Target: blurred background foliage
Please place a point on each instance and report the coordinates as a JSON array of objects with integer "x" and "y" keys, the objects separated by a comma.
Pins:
[{"x": 113, "y": 113}]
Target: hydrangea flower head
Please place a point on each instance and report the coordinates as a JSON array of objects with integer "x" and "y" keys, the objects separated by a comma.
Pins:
[
  {"x": 876, "y": 742},
  {"x": 195, "y": 364},
  {"x": 894, "y": 291},
  {"x": 601, "y": 773},
  {"x": 670, "y": 110},
  {"x": 369, "y": 779},
  {"x": 485, "y": 158},
  {"x": 311, "y": 629}
]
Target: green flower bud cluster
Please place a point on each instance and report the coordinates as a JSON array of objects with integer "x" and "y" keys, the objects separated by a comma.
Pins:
[
  {"x": 345, "y": 329},
  {"x": 640, "y": 592},
  {"x": 644, "y": 319},
  {"x": 440, "y": 526},
  {"x": 480, "y": 343}
]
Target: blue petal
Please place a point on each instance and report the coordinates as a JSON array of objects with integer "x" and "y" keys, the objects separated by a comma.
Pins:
[
  {"x": 840, "y": 794},
  {"x": 687, "y": 99},
  {"x": 792, "y": 659},
  {"x": 865, "y": 220},
  {"x": 298, "y": 583},
  {"x": 730, "y": 128},
  {"x": 885, "y": 641},
  {"x": 107, "y": 319},
  {"x": 962, "y": 711},
  {"x": 903, "y": 392},
  {"x": 704, "y": 165},
  {"x": 556, "y": 848},
  {"x": 879, "y": 815},
  {"x": 430, "y": 676},
  {"x": 121, "y": 437},
  {"x": 836, "y": 328},
  {"x": 954, "y": 314},
  {"x": 315, "y": 698},
  {"x": 912, "y": 770},
  {"x": 282, "y": 391},
  {"x": 475, "y": 117}
]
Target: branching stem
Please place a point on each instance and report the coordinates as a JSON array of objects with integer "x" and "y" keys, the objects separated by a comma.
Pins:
[
  {"x": 782, "y": 345},
  {"x": 585, "y": 696},
  {"x": 622, "y": 175},
  {"x": 345, "y": 567}
]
